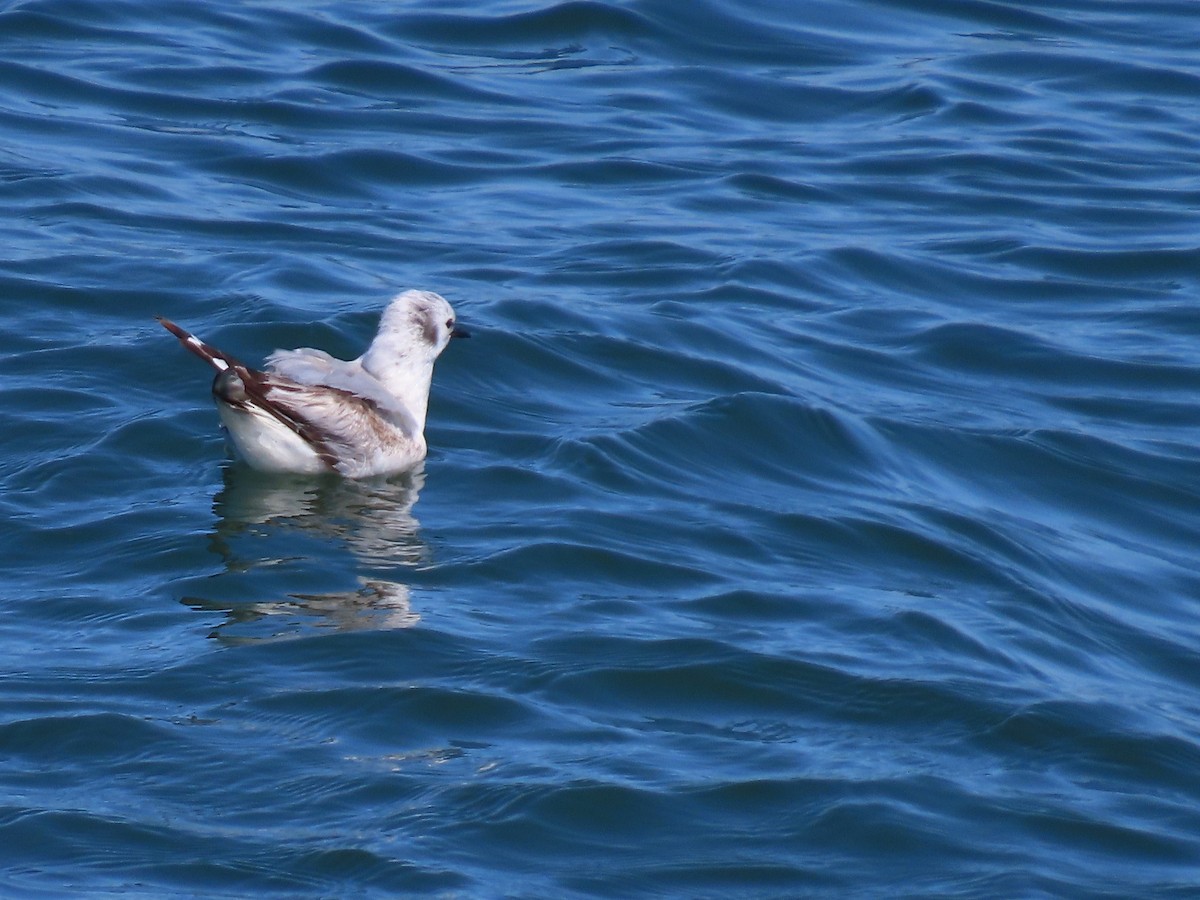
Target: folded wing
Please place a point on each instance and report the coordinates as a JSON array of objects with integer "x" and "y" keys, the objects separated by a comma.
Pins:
[{"x": 317, "y": 368}]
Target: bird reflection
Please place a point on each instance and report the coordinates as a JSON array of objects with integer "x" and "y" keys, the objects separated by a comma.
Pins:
[{"x": 283, "y": 539}]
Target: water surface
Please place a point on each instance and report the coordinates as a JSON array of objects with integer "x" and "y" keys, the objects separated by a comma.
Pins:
[{"x": 813, "y": 513}]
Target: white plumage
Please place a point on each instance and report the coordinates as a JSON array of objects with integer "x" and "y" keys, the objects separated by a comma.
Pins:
[{"x": 309, "y": 412}]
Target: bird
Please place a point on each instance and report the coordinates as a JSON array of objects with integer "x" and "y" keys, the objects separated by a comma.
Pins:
[{"x": 308, "y": 412}]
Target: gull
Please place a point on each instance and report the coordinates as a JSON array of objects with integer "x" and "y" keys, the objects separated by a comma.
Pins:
[{"x": 309, "y": 412}]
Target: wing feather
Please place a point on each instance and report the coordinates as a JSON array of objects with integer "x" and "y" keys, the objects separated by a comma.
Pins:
[{"x": 318, "y": 369}]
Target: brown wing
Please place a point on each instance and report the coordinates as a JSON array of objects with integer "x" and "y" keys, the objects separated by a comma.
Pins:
[
  {"x": 336, "y": 423},
  {"x": 239, "y": 386}
]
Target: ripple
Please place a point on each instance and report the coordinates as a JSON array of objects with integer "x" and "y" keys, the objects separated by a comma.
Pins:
[
  {"x": 381, "y": 78},
  {"x": 813, "y": 512},
  {"x": 83, "y": 737},
  {"x": 574, "y": 17}
]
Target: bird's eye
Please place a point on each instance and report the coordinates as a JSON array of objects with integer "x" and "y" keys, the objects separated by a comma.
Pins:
[{"x": 450, "y": 324}]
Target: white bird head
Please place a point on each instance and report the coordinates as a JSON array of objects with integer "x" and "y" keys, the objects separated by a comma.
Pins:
[{"x": 413, "y": 331}]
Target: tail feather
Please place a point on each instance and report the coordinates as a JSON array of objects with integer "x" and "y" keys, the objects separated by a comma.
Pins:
[
  {"x": 256, "y": 390},
  {"x": 218, "y": 359}
]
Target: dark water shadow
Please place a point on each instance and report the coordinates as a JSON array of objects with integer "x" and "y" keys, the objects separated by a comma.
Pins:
[{"x": 300, "y": 553}]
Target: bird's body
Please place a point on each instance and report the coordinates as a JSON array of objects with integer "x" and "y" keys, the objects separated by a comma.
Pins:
[{"x": 309, "y": 412}]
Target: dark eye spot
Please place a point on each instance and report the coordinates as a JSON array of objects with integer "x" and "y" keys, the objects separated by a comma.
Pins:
[{"x": 450, "y": 324}]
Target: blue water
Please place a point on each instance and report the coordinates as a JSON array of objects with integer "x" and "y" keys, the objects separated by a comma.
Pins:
[{"x": 814, "y": 512}]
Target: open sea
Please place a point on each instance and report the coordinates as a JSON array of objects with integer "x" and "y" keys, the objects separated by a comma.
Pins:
[{"x": 815, "y": 511}]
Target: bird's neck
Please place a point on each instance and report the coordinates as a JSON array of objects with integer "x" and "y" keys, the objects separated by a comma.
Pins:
[
  {"x": 413, "y": 390},
  {"x": 406, "y": 379}
]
